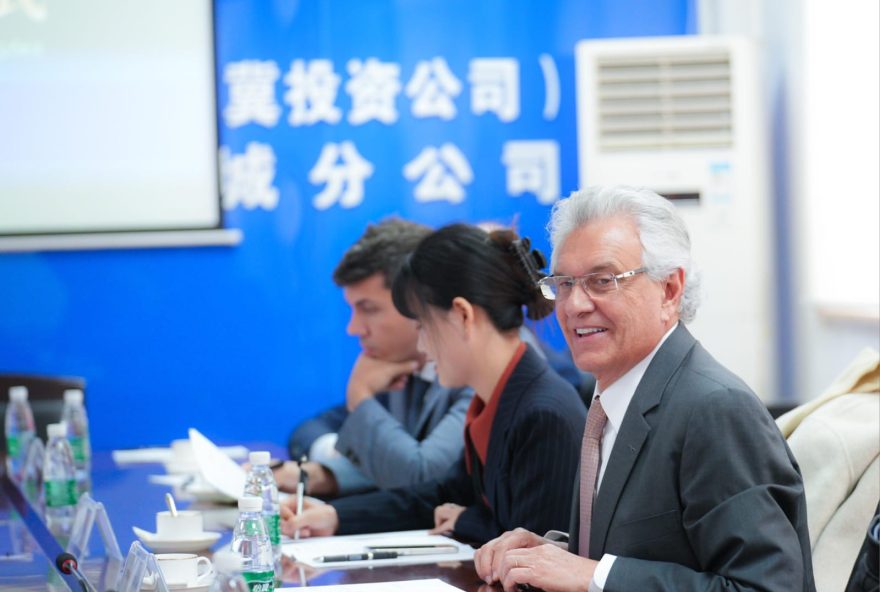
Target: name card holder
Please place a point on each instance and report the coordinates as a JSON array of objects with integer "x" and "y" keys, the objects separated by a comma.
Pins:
[
  {"x": 89, "y": 511},
  {"x": 140, "y": 564}
]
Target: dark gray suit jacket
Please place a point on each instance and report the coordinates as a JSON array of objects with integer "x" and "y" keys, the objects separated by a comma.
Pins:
[
  {"x": 533, "y": 453},
  {"x": 701, "y": 491}
]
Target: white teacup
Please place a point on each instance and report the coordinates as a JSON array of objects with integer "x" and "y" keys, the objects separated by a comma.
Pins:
[
  {"x": 183, "y": 458},
  {"x": 185, "y": 568},
  {"x": 183, "y": 449},
  {"x": 187, "y": 525}
]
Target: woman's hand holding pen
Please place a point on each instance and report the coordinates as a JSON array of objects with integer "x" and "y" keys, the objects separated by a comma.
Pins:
[{"x": 317, "y": 518}]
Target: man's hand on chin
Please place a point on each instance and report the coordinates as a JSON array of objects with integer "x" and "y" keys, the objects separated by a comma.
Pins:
[{"x": 370, "y": 376}]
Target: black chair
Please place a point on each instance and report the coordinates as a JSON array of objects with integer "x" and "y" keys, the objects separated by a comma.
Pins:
[
  {"x": 45, "y": 395},
  {"x": 780, "y": 408}
]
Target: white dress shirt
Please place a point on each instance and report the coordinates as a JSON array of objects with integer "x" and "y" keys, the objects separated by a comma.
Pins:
[{"x": 615, "y": 401}]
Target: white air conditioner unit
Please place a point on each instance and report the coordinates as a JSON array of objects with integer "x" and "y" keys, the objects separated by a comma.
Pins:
[{"x": 682, "y": 116}]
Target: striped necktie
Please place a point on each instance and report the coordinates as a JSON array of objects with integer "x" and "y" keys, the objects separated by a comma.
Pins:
[{"x": 591, "y": 458}]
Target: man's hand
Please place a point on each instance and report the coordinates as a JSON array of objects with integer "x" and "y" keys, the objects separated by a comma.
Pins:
[
  {"x": 287, "y": 476},
  {"x": 487, "y": 559},
  {"x": 547, "y": 567},
  {"x": 317, "y": 518},
  {"x": 370, "y": 376},
  {"x": 445, "y": 516},
  {"x": 321, "y": 481}
]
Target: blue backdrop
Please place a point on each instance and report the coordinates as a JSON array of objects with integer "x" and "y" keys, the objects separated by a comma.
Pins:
[{"x": 244, "y": 342}]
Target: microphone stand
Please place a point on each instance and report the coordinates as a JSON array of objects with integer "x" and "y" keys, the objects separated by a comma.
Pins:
[{"x": 67, "y": 564}]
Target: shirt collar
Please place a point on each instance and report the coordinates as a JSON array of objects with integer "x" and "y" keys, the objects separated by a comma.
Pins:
[
  {"x": 480, "y": 417},
  {"x": 616, "y": 398},
  {"x": 428, "y": 372}
]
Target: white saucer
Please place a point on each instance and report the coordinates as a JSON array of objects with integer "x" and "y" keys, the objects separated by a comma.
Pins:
[
  {"x": 159, "y": 545},
  {"x": 149, "y": 586}
]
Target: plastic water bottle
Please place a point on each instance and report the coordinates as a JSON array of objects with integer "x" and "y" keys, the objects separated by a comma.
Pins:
[
  {"x": 260, "y": 482},
  {"x": 59, "y": 482},
  {"x": 32, "y": 472},
  {"x": 227, "y": 567},
  {"x": 19, "y": 427},
  {"x": 74, "y": 415},
  {"x": 251, "y": 540}
]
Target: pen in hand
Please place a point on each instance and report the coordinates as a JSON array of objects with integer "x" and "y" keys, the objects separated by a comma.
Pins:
[{"x": 300, "y": 491}]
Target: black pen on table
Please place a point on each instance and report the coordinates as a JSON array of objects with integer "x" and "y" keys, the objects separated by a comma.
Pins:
[
  {"x": 369, "y": 556},
  {"x": 391, "y": 552},
  {"x": 425, "y": 549},
  {"x": 300, "y": 491}
]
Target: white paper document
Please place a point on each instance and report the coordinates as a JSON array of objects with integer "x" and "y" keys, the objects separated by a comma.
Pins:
[
  {"x": 164, "y": 455},
  {"x": 407, "y": 586},
  {"x": 311, "y": 551},
  {"x": 218, "y": 470}
]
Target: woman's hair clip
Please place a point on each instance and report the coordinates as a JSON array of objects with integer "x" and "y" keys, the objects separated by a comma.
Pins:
[{"x": 532, "y": 259}]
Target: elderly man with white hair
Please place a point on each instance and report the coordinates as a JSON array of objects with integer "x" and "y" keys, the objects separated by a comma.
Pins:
[{"x": 685, "y": 483}]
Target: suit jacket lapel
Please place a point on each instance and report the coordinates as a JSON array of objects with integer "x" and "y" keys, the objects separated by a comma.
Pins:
[
  {"x": 430, "y": 401},
  {"x": 634, "y": 431}
]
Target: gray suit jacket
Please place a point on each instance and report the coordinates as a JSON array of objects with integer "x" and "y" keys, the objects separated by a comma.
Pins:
[
  {"x": 700, "y": 492},
  {"x": 401, "y": 438}
]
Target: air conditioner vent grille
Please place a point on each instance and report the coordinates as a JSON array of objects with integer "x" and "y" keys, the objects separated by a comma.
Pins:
[{"x": 670, "y": 102}]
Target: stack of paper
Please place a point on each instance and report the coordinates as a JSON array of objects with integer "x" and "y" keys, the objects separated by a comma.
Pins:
[
  {"x": 207, "y": 473},
  {"x": 407, "y": 586},
  {"x": 164, "y": 455},
  {"x": 315, "y": 551}
]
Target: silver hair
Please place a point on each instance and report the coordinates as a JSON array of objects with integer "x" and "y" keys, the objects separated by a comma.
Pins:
[{"x": 666, "y": 245}]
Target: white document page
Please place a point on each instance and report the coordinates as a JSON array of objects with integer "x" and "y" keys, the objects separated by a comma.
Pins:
[
  {"x": 218, "y": 470},
  {"x": 406, "y": 586},
  {"x": 164, "y": 455},
  {"x": 308, "y": 551}
]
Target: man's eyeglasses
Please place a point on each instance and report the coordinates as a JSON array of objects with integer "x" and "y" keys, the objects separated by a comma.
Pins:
[{"x": 559, "y": 287}]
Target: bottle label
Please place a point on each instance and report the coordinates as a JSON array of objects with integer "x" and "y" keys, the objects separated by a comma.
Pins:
[
  {"x": 273, "y": 527},
  {"x": 60, "y": 492},
  {"x": 13, "y": 446},
  {"x": 78, "y": 447},
  {"x": 30, "y": 489},
  {"x": 253, "y": 528},
  {"x": 260, "y": 581}
]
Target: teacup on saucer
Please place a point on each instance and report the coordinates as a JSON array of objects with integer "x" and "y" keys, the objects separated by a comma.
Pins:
[
  {"x": 186, "y": 569},
  {"x": 183, "y": 532},
  {"x": 183, "y": 458},
  {"x": 184, "y": 525},
  {"x": 182, "y": 571},
  {"x": 159, "y": 545}
]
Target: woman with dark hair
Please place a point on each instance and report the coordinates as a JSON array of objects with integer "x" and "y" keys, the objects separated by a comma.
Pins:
[{"x": 470, "y": 291}]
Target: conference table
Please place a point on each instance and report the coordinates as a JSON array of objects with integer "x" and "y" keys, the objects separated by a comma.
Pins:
[{"x": 28, "y": 550}]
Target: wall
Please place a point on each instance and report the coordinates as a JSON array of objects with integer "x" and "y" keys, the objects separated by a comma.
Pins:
[
  {"x": 244, "y": 342},
  {"x": 836, "y": 171},
  {"x": 822, "y": 80}
]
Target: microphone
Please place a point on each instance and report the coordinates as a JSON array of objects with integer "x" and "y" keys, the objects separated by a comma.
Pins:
[{"x": 68, "y": 565}]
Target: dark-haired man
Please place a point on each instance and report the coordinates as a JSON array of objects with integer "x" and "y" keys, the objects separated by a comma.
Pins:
[{"x": 398, "y": 426}]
